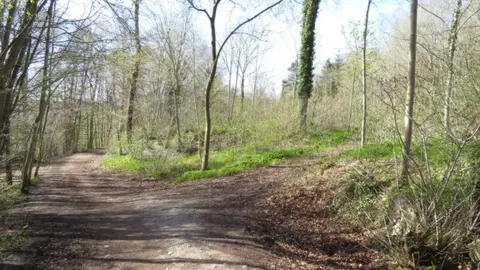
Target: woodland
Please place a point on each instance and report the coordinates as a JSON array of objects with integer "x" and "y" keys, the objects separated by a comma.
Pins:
[{"x": 177, "y": 101}]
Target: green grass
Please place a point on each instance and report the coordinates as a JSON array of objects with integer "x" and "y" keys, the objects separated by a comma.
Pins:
[
  {"x": 225, "y": 167},
  {"x": 373, "y": 151},
  {"x": 439, "y": 151},
  {"x": 229, "y": 161},
  {"x": 124, "y": 164}
]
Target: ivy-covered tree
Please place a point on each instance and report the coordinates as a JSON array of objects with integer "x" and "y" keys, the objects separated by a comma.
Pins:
[{"x": 305, "y": 70}]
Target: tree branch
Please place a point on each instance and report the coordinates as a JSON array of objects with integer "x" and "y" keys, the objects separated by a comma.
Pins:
[
  {"x": 192, "y": 5},
  {"x": 118, "y": 17},
  {"x": 245, "y": 22},
  {"x": 433, "y": 14}
]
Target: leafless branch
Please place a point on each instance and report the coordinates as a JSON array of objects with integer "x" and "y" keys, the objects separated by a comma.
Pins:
[
  {"x": 433, "y": 14},
  {"x": 192, "y": 5},
  {"x": 245, "y": 22}
]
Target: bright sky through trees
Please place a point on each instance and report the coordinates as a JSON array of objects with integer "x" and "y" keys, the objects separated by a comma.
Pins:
[{"x": 284, "y": 27}]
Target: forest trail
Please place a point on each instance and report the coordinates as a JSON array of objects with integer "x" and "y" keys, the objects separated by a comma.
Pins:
[{"x": 83, "y": 217}]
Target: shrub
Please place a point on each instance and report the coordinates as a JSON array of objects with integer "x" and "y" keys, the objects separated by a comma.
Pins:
[
  {"x": 431, "y": 222},
  {"x": 360, "y": 194}
]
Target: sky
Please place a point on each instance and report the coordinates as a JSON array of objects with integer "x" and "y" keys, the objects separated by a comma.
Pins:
[
  {"x": 329, "y": 39},
  {"x": 284, "y": 27}
]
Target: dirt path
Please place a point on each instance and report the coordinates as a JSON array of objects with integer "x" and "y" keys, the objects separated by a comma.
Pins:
[{"x": 83, "y": 217}]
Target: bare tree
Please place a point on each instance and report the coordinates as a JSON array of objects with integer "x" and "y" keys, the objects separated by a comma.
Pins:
[
  {"x": 410, "y": 98},
  {"x": 12, "y": 56},
  {"x": 364, "y": 76},
  {"x": 248, "y": 51},
  {"x": 214, "y": 62},
  {"x": 172, "y": 39},
  {"x": 37, "y": 126},
  {"x": 452, "y": 43}
]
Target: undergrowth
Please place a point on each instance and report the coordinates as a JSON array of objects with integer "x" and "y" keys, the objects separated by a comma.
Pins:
[
  {"x": 438, "y": 151},
  {"x": 431, "y": 221},
  {"x": 9, "y": 196},
  {"x": 228, "y": 161},
  {"x": 10, "y": 238}
]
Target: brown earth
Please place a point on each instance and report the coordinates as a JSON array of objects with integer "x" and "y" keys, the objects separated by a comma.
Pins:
[{"x": 84, "y": 217}]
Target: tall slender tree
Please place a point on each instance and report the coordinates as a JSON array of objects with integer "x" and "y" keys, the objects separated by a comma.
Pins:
[
  {"x": 307, "y": 51},
  {"x": 364, "y": 76},
  {"x": 215, "y": 54},
  {"x": 13, "y": 48},
  {"x": 410, "y": 91},
  {"x": 37, "y": 125},
  {"x": 452, "y": 44},
  {"x": 136, "y": 70}
]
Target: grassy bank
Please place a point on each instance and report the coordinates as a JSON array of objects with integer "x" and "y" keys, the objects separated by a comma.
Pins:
[
  {"x": 442, "y": 177},
  {"x": 228, "y": 161}
]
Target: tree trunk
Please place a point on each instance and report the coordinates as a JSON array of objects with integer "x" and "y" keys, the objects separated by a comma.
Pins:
[
  {"x": 8, "y": 165},
  {"x": 197, "y": 113},
  {"x": 136, "y": 69},
  {"x": 242, "y": 93},
  {"x": 93, "y": 94},
  {"x": 352, "y": 93},
  {"x": 305, "y": 70},
  {"x": 213, "y": 68},
  {"x": 452, "y": 43},
  {"x": 76, "y": 131},
  {"x": 230, "y": 74},
  {"x": 42, "y": 135},
  {"x": 410, "y": 92},
  {"x": 303, "y": 113},
  {"x": 177, "y": 114},
  {"x": 90, "y": 130},
  {"x": 3, "y": 9},
  {"x": 36, "y": 129},
  {"x": 237, "y": 74},
  {"x": 208, "y": 89},
  {"x": 364, "y": 77},
  {"x": 78, "y": 127},
  {"x": 5, "y": 92}
]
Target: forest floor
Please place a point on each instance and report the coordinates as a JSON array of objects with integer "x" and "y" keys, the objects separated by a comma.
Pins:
[{"x": 84, "y": 217}]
